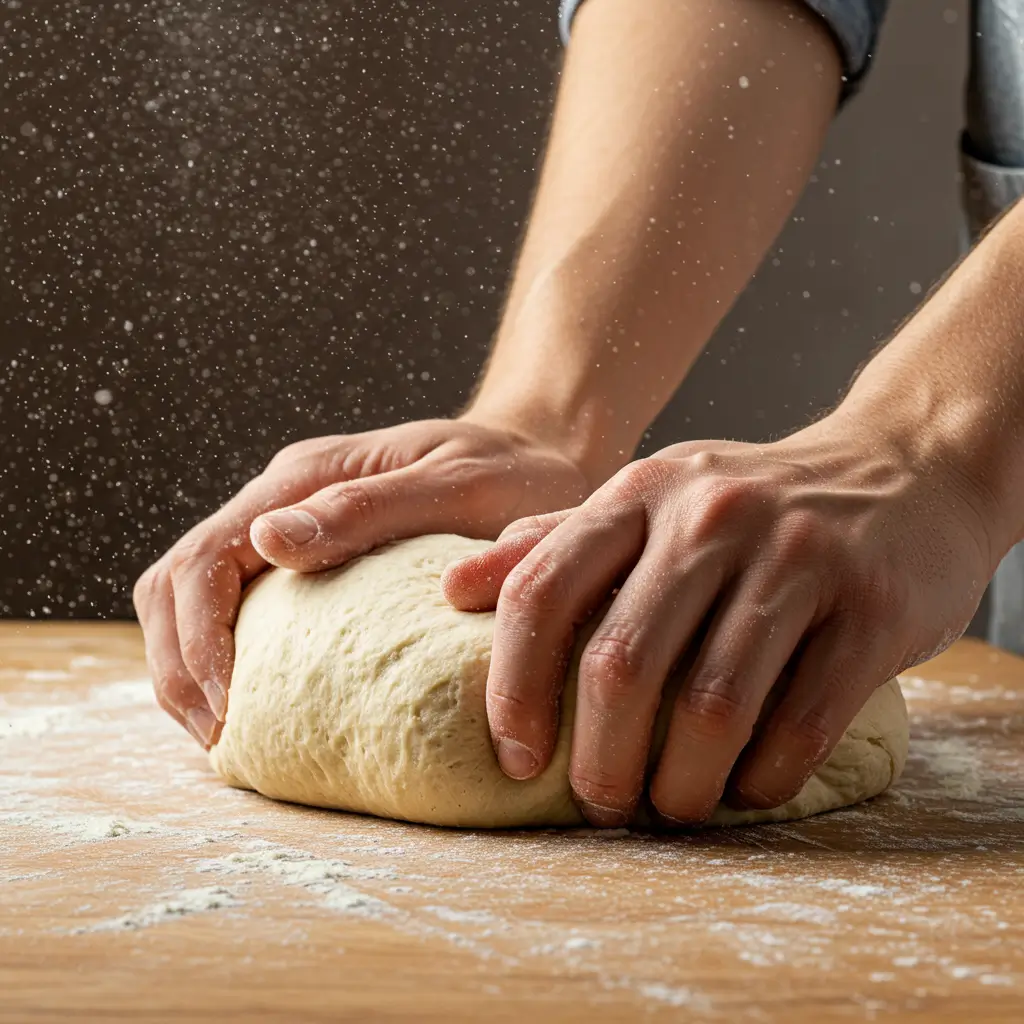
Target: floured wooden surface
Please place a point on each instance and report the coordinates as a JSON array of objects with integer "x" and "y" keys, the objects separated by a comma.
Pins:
[{"x": 132, "y": 882}]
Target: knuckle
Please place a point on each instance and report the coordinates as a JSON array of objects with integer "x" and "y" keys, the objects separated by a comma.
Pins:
[
  {"x": 175, "y": 692},
  {"x": 296, "y": 451},
  {"x": 505, "y": 703},
  {"x": 344, "y": 505},
  {"x": 609, "y": 691},
  {"x": 809, "y": 735},
  {"x": 538, "y": 585},
  {"x": 349, "y": 500},
  {"x": 528, "y": 524},
  {"x": 164, "y": 699},
  {"x": 715, "y": 503},
  {"x": 610, "y": 669},
  {"x": 592, "y": 785},
  {"x": 201, "y": 570},
  {"x": 345, "y": 462},
  {"x": 514, "y": 708},
  {"x": 641, "y": 479},
  {"x": 146, "y": 588},
  {"x": 290, "y": 453},
  {"x": 528, "y": 714},
  {"x": 188, "y": 552},
  {"x": 712, "y": 706},
  {"x": 196, "y": 649}
]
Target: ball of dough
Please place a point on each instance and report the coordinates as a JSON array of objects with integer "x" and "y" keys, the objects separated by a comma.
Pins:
[{"x": 362, "y": 689}]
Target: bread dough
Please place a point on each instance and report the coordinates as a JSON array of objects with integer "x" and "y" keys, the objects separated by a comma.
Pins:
[{"x": 362, "y": 689}]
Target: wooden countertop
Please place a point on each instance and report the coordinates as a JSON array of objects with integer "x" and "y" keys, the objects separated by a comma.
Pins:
[{"x": 134, "y": 885}]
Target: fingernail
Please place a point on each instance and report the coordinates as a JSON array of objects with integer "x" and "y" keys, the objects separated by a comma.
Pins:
[
  {"x": 201, "y": 724},
  {"x": 217, "y": 697},
  {"x": 516, "y": 760},
  {"x": 604, "y": 817},
  {"x": 294, "y": 526}
]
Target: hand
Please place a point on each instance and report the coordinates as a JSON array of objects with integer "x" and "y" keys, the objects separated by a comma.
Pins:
[
  {"x": 333, "y": 498},
  {"x": 815, "y": 568}
]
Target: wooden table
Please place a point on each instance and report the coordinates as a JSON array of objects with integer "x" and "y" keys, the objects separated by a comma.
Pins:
[{"x": 134, "y": 885}]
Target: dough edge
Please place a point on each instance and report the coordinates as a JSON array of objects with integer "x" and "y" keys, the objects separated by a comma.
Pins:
[{"x": 279, "y": 742}]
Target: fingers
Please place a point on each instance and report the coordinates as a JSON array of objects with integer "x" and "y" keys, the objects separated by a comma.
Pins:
[
  {"x": 836, "y": 674},
  {"x": 346, "y": 519},
  {"x": 473, "y": 584},
  {"x": 176, "y": 690},
  {"x": 210, "y": 565},
  {"x": 188, "y": 601},
  {"x": 207, "y": 591},
  {"x": 751, "y": 638},
  {"x": 551, "y": 591},
  {"x": 622, "y": 673}
]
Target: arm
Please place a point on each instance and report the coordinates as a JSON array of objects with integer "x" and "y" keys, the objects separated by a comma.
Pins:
[
  {"x": 683, "y": 134},
  {"x": 822, "y": 565},
  {"x": 665, "y": 182},
  {"x": 949, "y": 389}
]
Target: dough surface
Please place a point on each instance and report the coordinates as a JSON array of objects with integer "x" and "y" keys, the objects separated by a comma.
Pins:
[{"x": 362, "y": 689}]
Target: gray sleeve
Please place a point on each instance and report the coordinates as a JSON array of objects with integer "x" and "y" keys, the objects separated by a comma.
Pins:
[
  {"x": 854, "y": 25},
  {"x": 992, "y": 148}
]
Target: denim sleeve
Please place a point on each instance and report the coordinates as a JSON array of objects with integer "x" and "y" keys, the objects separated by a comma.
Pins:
[{"x": 854, "y": 25}]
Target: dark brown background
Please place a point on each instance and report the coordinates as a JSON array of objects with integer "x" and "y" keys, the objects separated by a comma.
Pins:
[{"x": 223, "y": 228}]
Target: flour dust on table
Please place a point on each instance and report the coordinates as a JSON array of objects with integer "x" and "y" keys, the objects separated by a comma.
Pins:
[{"x": 362, "y": 689}]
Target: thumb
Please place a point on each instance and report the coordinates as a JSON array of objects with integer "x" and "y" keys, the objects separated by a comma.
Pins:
[{"x": 346, "y": 519}]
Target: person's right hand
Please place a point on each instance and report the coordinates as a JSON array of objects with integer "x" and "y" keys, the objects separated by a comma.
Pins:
[{"x": 318, "y": 504}]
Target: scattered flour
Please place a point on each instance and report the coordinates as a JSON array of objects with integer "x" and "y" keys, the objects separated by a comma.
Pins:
[
  {"x": 758, "y": 904},
  {"x": 73, "y": 715},
  {"x": 80, "y": 828},
  {"x": 848, "y": 888},
  {"x": 327, "y": 878},
  {"x": 45, "y": 675},
  {"x": 179, "y": 904},
  {"x": 674, "y": 996},
  {"x": 462, "y": 916},
  {"x": 795, "y": 912},
  {"x": 951, "y": 766}
]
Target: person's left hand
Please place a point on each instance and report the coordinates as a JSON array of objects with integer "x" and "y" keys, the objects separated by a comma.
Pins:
[{"x": 830, "y": 554}]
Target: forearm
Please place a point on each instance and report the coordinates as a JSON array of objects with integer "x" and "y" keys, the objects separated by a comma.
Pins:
[
  {"x": 948, "y": 390},
  {"x": 683, "y": 134}
]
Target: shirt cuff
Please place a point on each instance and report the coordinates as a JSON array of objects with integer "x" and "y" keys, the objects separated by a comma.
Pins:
[{"x": 854, "y": 25}]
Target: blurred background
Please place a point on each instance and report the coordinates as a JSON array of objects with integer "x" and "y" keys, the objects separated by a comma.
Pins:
[{"x": 223, "y": 230}]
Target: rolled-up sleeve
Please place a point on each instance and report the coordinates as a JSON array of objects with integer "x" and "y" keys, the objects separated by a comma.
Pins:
[{"x": 854, "y": 25}]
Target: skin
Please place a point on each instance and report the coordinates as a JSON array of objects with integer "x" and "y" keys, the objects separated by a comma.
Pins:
[
  {"x": 336, "y": 497},
  {"x": 665, "y": 183},
  {"x": 635, "y": 251},
  {"x": 823, "y": 565},
  {"x": 806, "y": 572},
  {"x": 842, "y": 561}
]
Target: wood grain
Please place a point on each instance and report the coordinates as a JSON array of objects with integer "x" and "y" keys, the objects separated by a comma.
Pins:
[{"x": 134, "y": 885}]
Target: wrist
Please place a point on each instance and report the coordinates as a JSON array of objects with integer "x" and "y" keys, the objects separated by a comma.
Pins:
[
  {"x": 577, "y": 431},
  {"x": 943, "y": 444},
  {"x": 951, "y": 383}
]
